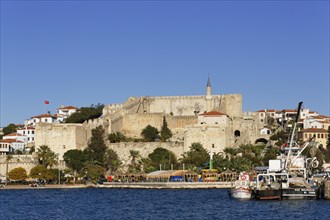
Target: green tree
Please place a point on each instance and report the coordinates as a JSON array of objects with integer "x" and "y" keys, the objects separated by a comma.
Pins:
[
  {"x": 111, "y": 160},
  {"x": 161, "y": 156},
  {"x": 17, "y": 174},
  {"x": 74, "y": 159},
  {"x": 41, "y": 172},
  {"x": 11, "y": 128},
  {"x": 117, "y": 137},
  {"x": 32, "y": 149},
  {"x": 46, "y": 156},
  {"x": 150, "y": 133},
  {"x": 86, "y": 113},
  {"x": 196, "y": 158},
  {"x": 93, "y": 171},
  {"x": 165, "y": 132},
  {"x": 97, "y": 147},
  {"x": 280, "y": 137}
]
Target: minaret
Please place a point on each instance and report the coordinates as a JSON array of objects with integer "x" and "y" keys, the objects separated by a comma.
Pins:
[{"x": 208, "y": 96}]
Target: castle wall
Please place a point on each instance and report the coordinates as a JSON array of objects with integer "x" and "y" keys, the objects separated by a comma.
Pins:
[
  {"x": 132, "y": 124},
  {"x": 61, "y": 137},
  {"x": 208, "y": 136},
  {"x": 248, "y": 129},
  {"x": 178, "y": 105},
  {"x": 230, "y": 104},
  {"x": 144, "y": 148},
  {"x": 25, "y": 161}
]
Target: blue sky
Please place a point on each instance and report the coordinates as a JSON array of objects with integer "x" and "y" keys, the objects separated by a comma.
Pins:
[{"x": 274, "y": 53}]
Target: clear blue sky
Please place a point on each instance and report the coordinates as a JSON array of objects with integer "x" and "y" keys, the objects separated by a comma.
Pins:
[{"x": 274, "y": 53}]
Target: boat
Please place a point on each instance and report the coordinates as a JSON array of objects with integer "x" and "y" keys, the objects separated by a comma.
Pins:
[{"x": 242, "y": 187}]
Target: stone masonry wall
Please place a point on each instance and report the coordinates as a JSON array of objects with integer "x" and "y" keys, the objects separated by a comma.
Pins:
[
  {"x": 144, "y": 148},
  {"x": 25, "y": 161},
  {"x": 61, "y": 137}
]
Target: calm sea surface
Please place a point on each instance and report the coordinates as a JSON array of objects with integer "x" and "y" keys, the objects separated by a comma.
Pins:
[{"x": 149, "y": 204}]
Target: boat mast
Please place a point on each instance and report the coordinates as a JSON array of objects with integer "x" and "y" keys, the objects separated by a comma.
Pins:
[{"x": 292, "y": 135}]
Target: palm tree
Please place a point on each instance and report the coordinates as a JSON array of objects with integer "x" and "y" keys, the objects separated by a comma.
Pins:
[
  {"x": 111, "y": 160},
  {"x": 134, "y": 154},
  {"x": 46, "y": 156}
]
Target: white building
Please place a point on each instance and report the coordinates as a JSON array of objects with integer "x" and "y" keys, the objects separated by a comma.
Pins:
[
  {"x": 10, "y": 145},
  {"x": 16, "y": 136},
  {"x": 28, "y": 132},
  {"x": 265, "y": 131},
  {"x": 46, "y": 118},
  {"x": 212, "y": 118},
  {"x": 64, "y": 112}
]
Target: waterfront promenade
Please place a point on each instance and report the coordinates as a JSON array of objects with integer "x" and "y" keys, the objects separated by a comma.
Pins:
[
  {"x": 167, "y": 185},
  {"x": 131, "y": 185}
]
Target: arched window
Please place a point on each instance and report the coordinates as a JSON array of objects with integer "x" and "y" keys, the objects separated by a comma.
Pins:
[{"x": 237, "y": 133}]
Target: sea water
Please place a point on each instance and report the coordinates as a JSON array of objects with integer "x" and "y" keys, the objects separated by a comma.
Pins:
[{"x": 153, "y": 204}]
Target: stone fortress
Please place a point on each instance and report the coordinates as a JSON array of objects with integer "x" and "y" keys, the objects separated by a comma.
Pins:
[{"x": 216, "y": 121}]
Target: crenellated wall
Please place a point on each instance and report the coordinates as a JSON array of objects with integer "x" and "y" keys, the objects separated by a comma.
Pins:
[{"x": 25, "y": 161}]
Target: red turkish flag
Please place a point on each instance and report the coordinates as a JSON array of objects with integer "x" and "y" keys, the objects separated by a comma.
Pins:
[{"x": 46, "y": 102}]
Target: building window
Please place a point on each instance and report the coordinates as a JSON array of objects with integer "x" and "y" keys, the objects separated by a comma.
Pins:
[
  {"x": 261, "y": 120},
  {"x": 318, "y": 135},
  {"x": 237, "y": 133},
  {"x": 306, "y": 136},
  {"x": 32, "y": 132},
  {"x": 322, "y": 135}
]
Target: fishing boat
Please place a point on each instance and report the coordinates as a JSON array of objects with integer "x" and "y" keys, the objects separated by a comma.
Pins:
[
  {"x": 269, "y": 186},
  {"x": 287, "y": 176},
  {"x": 242, "y": 187}
]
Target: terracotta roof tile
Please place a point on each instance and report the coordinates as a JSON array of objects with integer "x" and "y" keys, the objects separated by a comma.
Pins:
[
  {"x": 10, "y": 141},
  {"x": 14, "y": 134},
  {"x": 315, "y": 130},
  {"x": 69, "y": 107},
  {"x": 212, "y": 113},
  {"x": 43, "y": 116},
  {"x": 267, "y": 110}
]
